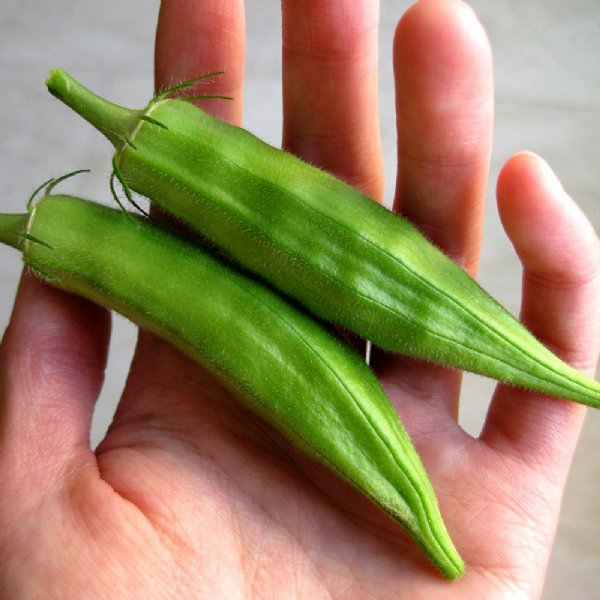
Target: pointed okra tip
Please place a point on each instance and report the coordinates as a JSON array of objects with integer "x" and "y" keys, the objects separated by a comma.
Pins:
[
  {"x": 453, "y": 567},
  {"x": 441, "y": 550},
  {"x": 113, "y": 121}
]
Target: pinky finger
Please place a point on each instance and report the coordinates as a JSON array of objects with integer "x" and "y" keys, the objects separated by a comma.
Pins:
[{"x": 560, "y": 254}]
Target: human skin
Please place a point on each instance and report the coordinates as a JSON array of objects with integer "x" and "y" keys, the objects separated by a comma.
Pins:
[{"x": 189, "y": 496}]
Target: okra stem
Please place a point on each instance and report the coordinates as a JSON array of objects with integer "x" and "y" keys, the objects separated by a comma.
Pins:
[
  {"x": 11, "y": 227},
  {"x": 114, "y": 121}
]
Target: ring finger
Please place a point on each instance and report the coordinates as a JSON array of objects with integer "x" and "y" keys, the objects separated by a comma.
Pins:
[{"x": 444, "y": 108}]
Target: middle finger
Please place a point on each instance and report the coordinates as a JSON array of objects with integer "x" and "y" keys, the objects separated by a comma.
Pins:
[{"x": 330, "y": 61}]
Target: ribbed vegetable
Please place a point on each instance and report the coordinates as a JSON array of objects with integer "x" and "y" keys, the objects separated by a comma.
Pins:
[
  {"x": 342, "y": 255},
  {"x": 280, "y": 362}
]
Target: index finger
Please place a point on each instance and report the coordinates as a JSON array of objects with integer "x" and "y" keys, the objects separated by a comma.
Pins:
[{"x": 194, "y": 38}]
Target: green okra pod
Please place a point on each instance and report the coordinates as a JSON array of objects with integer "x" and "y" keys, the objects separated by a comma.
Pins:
[
  {"x": 278, "y": 360},
  {"x": 345, "y": 257}
]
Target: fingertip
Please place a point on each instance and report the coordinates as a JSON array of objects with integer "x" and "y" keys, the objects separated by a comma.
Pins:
[
  {"x": 550, "y": 233},
  {"x": 429, "y": 23},
  {"x": 526, "y": 174},
  {"x": 443, "y": 59},
  {"x": 440, "y": 9}
]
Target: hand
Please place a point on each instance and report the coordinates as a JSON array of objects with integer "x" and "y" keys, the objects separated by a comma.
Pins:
[{"x": 190, "y": 497}]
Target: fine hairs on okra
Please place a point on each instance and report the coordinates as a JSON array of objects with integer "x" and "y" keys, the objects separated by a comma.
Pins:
[
  {"x": 282, "y": 363},
  {"x": 346, "y": 258}
]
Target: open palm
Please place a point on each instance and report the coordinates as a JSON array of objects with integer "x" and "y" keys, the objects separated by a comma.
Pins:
[{"x": 190, "y": 496}]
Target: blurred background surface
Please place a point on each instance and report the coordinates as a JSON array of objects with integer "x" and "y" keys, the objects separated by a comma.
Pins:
[{"x": 547, "y": 71}]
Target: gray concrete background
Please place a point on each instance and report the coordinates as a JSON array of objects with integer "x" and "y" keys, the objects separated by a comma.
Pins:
[{"x": 547, "y": 71}]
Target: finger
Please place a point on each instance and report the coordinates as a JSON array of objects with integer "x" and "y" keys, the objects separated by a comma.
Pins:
[
  {"x": 330, "y": 110},
  {"x": 52, "y": 365},
  {"x": 560, "y": 254},
  {"x": 444, "y": 106},
  {"x": 194, "y": 37}
]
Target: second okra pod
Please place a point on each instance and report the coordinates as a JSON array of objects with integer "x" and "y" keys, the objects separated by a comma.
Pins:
[{"x": 285, "y": 366}]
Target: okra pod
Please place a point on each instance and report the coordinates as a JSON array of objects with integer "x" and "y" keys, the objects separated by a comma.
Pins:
[
  {"x": 346, "y": 258},
  {"x": 278, "y": 360}
]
